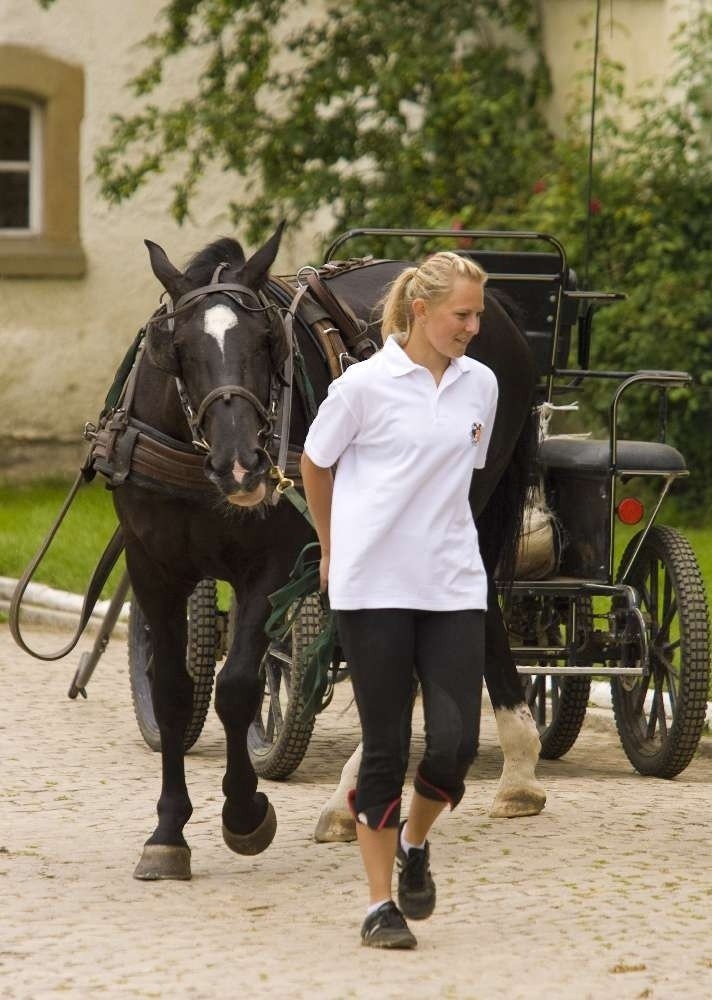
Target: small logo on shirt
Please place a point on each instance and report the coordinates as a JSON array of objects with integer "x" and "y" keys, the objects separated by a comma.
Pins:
[{"x": 476, "y": 433}]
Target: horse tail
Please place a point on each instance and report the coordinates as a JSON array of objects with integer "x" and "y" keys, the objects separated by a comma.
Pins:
[{"x": 501, "y": 522}]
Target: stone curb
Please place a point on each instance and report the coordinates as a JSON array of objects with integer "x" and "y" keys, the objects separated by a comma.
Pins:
[{"x": 46, "y": 607}]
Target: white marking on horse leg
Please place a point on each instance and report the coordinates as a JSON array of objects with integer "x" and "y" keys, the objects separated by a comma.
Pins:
[
  {"x": 216, "y": 321},
  {"x": 519, "y": 792},
  {"x": 336, "y": 823}
]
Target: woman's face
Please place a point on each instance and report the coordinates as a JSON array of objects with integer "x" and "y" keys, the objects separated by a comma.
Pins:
[{"x": 449, "y": 324}]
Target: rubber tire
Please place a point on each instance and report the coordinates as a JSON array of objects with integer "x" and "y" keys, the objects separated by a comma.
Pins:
[
  {"x": 559, "y": 733},
  {"x": 671, "y": 551},
  {"x": 200, "y": 663},
  {"x": 278, "y": 757}
]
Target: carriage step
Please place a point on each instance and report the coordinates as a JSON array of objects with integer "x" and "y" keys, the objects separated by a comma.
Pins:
[{"x": 581, "y": 671}]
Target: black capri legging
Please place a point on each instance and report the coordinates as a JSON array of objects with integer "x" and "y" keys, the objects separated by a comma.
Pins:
[{"x": 383, "y": 647}]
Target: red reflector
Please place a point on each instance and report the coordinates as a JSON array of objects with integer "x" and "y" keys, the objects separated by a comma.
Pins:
[{"x": 630, "y": 510}]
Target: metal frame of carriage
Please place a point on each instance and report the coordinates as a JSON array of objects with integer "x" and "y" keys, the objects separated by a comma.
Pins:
[{"x": 652, "y": 636}]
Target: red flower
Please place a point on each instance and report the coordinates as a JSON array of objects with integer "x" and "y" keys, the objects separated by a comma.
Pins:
[
  {"x": 466, "y": 242},
  {"x": 538, "y": 187},
  {"x": 595, "y": 206}
]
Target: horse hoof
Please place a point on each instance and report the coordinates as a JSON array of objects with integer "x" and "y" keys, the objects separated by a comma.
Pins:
[
  {"x": 162, "y": 861},
  {"x": 335, "y": 826},
  {"x": 257, "y": 841},
  {"x": 522, "y": 802}
]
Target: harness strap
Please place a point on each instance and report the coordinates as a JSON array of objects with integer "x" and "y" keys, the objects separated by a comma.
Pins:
[
  {"x": 357, "y": 343},
  {"x": 99, "y": 577}
]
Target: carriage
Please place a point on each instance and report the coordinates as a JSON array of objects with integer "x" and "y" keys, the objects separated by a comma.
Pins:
[{"x": 638, "y": 618}]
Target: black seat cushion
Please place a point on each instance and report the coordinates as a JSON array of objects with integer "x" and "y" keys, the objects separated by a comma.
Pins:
[{"x": 584, "y": 455}]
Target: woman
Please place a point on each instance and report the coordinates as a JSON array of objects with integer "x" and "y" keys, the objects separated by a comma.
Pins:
[{"x": 401, "y": 561}]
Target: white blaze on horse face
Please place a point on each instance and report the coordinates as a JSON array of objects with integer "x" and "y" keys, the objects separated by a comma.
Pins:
[{"x": 216, "y": 321}]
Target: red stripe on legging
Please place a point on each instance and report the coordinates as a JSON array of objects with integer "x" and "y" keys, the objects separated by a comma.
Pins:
[{"x": 439, "y": 791}]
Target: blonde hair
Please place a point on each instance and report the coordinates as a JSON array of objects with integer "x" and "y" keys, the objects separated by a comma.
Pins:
[{"x": 432, "y": 280}]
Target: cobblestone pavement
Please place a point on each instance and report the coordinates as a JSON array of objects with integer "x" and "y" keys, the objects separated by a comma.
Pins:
[{"x": 608, "y": 893}]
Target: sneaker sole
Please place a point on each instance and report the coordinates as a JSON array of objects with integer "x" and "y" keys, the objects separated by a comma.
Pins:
[
  {"x": 399, "y": 941},
  {"x": 415, "y": 908}
]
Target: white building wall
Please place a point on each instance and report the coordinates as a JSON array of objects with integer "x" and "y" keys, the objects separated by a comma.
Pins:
[{"x": 636, "y": 33}]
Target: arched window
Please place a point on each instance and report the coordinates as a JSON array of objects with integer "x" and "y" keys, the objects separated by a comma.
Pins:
[
  {"x": 20, "y": 166},
  {"x": 41, "y": 109}
]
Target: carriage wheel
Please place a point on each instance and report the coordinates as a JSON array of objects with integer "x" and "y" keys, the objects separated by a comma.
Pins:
[
  {"x": 278, "y": 738},
  {"x": 660, "y": 717},
  {"x": 558, "y": 703},
  {"x": 200, "y": 663}
]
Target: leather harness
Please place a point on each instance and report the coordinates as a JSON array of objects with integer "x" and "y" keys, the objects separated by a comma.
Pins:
[{"x": 126, "y": 449}]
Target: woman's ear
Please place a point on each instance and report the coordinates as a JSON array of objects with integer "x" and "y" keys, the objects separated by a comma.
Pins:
[{"x": 419, "y": 307}]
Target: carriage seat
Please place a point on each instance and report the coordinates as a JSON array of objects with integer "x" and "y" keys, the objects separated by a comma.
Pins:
[{"x": 584, "y": 455}]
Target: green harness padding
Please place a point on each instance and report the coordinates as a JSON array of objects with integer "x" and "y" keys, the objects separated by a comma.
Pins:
[
  {"x": 317, "y": 688},
  {"x": 122, "y": 373}
]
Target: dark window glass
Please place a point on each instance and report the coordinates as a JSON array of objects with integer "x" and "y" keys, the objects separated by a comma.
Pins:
[
  {"x": 14, "y": 200},
  {"x": 14, "y": 132}
]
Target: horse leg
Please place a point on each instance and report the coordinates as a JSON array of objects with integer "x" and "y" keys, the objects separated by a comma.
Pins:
[
  {"x": 519, "y": 793},
  {"x": 166, "y": 854},
  {"x": 249, "y": 819},
  {"x": 336, "y": 823}
]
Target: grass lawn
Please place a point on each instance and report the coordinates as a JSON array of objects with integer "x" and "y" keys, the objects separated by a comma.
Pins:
[{"x": 26, "y": 515}]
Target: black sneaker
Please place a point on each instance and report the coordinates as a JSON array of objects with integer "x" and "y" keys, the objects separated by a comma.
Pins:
[
  {"x": 416, "y": 888},
  {"x": 386, "y": 928}
]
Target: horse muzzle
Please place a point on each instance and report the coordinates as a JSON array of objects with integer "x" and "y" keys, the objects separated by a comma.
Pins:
[{"x": 241, "y": 487}]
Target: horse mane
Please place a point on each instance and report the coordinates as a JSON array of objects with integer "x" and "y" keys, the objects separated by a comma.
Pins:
[{"x": 201, "y": 266}]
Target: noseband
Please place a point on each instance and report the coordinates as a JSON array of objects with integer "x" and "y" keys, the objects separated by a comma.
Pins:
[{"x": 195, "y": 419}]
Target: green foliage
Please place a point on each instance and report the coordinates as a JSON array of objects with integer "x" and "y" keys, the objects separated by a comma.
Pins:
[
  {"x": 649, "y": 237},
  {"x": 384, "y": 112}
]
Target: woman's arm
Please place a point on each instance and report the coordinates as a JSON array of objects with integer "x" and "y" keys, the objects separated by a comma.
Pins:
[{"x": 318, "y": 489}]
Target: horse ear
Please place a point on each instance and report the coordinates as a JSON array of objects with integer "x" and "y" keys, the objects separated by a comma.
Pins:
[
  {"x": 255, "y": 270},
  {"x": 169, "y": 276}
]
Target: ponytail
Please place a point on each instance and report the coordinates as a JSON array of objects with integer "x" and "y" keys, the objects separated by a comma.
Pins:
[{"x": 432, "y": 280}]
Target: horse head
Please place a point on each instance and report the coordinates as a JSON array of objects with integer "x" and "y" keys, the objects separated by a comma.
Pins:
[{"x": 225, "y": 345}]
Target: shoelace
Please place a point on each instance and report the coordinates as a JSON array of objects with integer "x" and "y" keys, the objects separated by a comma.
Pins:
[{"x": 416, "y": 862}]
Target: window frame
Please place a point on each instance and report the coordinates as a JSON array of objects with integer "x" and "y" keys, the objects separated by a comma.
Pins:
[
  {"x": 51, "y": 247},
  {"x": 33, "y": 166}
]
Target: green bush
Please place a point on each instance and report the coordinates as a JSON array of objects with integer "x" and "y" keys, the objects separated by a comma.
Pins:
[{"x": 650, "y": 237}]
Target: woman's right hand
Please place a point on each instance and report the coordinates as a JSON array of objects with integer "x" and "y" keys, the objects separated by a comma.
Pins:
[{"x": 324, "y": 574}]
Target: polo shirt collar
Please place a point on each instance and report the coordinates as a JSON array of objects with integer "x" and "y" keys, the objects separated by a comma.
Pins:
[{"x": 398, "y": 362}]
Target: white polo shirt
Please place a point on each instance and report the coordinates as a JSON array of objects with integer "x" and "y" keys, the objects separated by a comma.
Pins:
[{"x": 402, "y": 533}]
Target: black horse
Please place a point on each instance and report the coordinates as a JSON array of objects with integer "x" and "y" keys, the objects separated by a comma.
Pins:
[{"x": 210, "y": 373}]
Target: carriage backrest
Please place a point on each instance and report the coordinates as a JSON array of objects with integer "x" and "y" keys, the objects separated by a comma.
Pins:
[{"x": 532, "y": 281}]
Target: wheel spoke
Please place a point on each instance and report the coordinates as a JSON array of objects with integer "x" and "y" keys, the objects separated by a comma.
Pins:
[
  {"x": 662, "y": 718},
  {"x": 555, "y": 691},
  {"x": 645, "y": 599},
  {"x": 269, "y": 729},
  {"x": 652, "y": 718},
  {"x": 641, "y": 694},
  {"x": 273, "y": 677},
  {"x": 541, "y": 700}
]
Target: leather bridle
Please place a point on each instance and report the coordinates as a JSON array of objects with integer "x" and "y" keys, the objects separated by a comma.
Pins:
[{"x": 195, "y": 417}]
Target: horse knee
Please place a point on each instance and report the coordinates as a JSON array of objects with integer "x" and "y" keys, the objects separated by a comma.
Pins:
[{"x": 237, "y": 694}]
